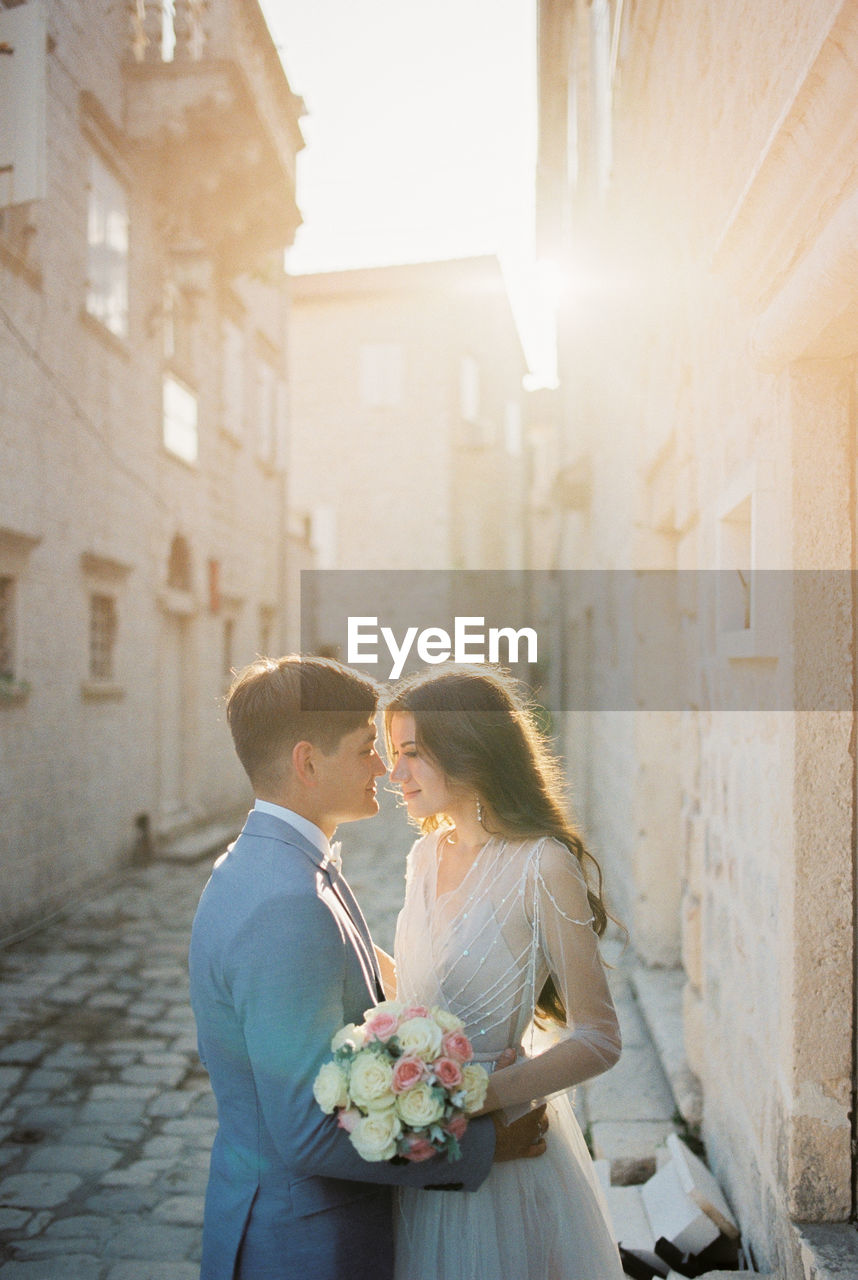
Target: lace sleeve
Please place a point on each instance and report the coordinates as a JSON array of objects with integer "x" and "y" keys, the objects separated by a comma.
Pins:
[
  {"x": 563, "y": 936},
  {"x": 413, "y": 861}
]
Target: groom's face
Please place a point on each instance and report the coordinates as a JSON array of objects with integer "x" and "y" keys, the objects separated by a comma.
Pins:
[{"x": 347, "y": 776}]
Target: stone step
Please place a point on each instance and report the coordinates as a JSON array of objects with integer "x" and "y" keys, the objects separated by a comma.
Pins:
[
  {"x": 193, "y": 846},
  {"x": 659, "y": 996},
  {"x": 726, "y": 1275},
  {"x": 829, "y": 1251},
  {"x": 631, "y": 1147},
  {"x": 630, "y": 1109}
]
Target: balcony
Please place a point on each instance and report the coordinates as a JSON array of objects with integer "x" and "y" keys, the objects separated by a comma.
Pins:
[{"x": 216, "y": 125}]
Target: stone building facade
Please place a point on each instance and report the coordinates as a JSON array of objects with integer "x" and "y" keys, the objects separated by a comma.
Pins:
[
  {"x": 698, "y": 190},
  {"x": 148, "y": 192},
  {"x": 407, "y": 439}
]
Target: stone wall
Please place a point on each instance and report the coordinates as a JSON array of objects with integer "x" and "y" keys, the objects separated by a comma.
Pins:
[
  {"x": 709, "y": 337},
  {"x": 92, "y": 501}
]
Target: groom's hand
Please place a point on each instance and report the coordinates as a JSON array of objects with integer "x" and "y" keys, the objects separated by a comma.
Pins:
[
  {"x": 490, "y": 1103},
  {"x": 522, "y": 1140}
]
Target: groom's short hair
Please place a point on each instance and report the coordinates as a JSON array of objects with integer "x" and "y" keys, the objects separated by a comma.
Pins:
[{"x": 276, "y": 702}]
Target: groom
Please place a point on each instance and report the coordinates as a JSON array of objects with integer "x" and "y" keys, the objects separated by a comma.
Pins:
[{"x": 280, "y": 959}]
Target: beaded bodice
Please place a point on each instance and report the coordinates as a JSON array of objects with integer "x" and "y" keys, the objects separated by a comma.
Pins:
[{"x": 485, "y": 949}]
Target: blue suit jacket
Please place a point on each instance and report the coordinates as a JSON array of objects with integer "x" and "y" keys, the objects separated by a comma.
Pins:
[{"x": 279, "y": 961}]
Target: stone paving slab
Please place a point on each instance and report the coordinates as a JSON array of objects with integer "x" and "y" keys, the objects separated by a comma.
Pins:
[
  {"x": 106, "y": 1116},
  {"x": 635, "y": 1088},
  {"x": 97, "y": 1058}
]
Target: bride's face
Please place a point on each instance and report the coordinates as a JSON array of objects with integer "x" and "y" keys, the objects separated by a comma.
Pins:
[{"x": 423, "y": 785}]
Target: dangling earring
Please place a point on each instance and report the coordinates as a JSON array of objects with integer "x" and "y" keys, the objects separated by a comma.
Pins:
[{"x": 479, "y": 812}]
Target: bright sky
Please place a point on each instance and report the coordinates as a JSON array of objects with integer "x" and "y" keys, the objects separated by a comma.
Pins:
[{"x": 421, "y": 132}]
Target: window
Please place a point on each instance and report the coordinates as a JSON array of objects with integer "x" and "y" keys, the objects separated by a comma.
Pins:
[
  {"x": 182, "y": 35},
  {"x": 469, "y": 389},
  {"x": 178, "y": 314},
  {"x": 281, "y": 421},
  {"x": 266, "y": 409},
  {"x": 602, "y": 107},
  {"x": 102, "y": 636},
  {"x": 12, "y": 688},
  {"x": 179, "y": 566},
  {"x": 15, "y": 550},
  {"x": 271, "y": 412},
  {"x": 749, "y": 607},
  {"x": 380, "y": 374},
  {"x": 572, "y": 151},
  {"x": 180, "y": 420},
  {"x": 232, "y": 384},
  {"x": 18, "y": 237},
  {"x": 103, "y": 585},
  {"x": 107, "y": 249},
  {"x": 23, "y": 97},
  {"x": 168, "y": 30},
  {"x": 7, "y": 628}
]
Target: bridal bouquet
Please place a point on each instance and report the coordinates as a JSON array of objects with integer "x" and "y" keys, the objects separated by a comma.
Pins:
[{"x": 402, "y": 1084}]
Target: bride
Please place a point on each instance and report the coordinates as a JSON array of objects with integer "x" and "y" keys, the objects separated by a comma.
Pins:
[{"x": 501, "y": 927}]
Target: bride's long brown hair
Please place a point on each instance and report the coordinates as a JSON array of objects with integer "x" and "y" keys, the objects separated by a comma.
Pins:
[{"x": 480, "y": 730}]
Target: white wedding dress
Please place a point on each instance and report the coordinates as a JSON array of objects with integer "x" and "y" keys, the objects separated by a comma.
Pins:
[{"x": 484, "y": 951}]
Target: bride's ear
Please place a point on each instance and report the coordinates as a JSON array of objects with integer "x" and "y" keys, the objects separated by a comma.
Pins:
[{"x": 303, "y": 763}]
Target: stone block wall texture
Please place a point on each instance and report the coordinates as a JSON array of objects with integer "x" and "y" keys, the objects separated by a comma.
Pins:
[
  {"x": 84, "y": 474},
  {"x": 694, "y": 399}
]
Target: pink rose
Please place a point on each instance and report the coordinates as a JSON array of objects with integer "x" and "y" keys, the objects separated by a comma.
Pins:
[
  {"x": 348, "y": 1118},
  {"x": 417, "y": 1148},
  {"x": 414, "y": 1011},
  {"x": 407, "y": 1073},
  {"x": 457, "y": 1045},
  {"x": 448, "y": 1072},
  {"x": 457, "y": 1126},
  {"x": 381, "y": 1027}
]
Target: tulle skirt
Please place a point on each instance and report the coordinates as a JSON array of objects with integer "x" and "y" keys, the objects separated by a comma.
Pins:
[{"x": 542, "y": 1219}]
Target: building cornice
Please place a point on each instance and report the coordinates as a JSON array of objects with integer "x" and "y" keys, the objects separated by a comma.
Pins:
[{"x": 807, "y": 174}]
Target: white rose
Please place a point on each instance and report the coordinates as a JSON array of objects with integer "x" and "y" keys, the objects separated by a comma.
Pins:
[
  {"x": 348, "y": 1035},
  {"x": 374, "y": 1136},
  {"x": 369, "y": 1081},
  {"x": 387, "y": 1006},
  {"x": 419, "y": 1107},
  {"x": 446, "y": 1020},
  {"x": 475, "y": 1082},
  {"x": 420, "y": 1038},
  {"x": 330, "y": 1088}
]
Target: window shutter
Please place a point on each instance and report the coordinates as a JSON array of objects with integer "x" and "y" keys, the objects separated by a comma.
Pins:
[{"x": 23, "y": 36}]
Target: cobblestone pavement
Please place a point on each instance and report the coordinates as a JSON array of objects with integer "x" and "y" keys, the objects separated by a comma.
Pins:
[{"x": 106, "y": 1116}]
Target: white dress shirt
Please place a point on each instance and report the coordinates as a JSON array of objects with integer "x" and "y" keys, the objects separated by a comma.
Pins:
[{"x": 308, "y": 829}]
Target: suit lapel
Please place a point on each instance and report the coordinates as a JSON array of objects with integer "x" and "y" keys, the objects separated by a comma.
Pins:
[
  {"x": 268, "y": 826},
  {"x": 342, "y": 889}
]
